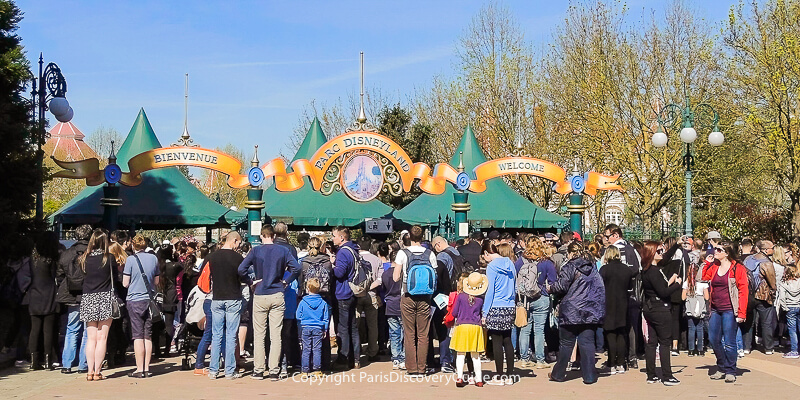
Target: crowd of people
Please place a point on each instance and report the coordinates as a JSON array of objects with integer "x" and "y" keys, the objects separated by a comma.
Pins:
[{"x": 528, "y": 301}]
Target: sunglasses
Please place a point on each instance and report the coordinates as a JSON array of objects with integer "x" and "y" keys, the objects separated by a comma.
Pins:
[
  {"x": 660, "y": 251},
  {"x": 719, "y": 249}
]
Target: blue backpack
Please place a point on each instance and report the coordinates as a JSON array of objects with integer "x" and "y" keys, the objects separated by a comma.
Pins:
[{"x": 421, "y": 278}]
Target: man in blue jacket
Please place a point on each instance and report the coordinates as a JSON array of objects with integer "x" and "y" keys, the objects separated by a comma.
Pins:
[
  {"x": 269, "y": 262},
  {"x": 347, "y": 330}
]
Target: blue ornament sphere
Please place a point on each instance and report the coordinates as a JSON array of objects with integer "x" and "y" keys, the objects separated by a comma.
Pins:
[
  {"x": 463, "y": 181},
  {"x": 112, "y": 173},
  {"x": 256, "y": 176},
  {"x": 577, "y": 183}
]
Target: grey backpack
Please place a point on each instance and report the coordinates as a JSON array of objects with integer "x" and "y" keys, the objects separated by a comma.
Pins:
[{"x": 528, "y": 280}]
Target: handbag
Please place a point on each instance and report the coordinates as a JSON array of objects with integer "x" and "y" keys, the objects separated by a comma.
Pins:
[
  {"x": 521, "y": 318},
  {"x": 153, "y": 306},
  {"x": 116, "y": 303}
]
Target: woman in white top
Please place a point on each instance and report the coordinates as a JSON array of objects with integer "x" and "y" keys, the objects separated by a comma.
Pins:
[{"x": 695, "y": 294}]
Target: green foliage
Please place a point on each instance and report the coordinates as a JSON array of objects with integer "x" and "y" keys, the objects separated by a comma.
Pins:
[
  {"x": 18, "y": 158},
  {"x": 397, "y": 124}
]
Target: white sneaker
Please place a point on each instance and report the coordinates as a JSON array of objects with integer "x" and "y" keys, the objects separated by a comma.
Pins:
[
  {"x": 620, "y": 369},
  {"x": 741, "y": 353},
  {"x": 402, "y": 365},
  {"x": 768, "y": 352},
  {"x": 395, "y": 364}
]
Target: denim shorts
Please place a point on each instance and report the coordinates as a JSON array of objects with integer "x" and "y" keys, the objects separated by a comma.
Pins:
[{"x": 141, "y": 321}]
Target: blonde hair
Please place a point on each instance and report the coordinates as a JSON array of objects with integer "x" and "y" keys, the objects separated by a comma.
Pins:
[
  {"x": 312, "y": 286},
  {"x": 612, "y": 254},
  {"x": 460, "y": 283},
  {"x": 118, "y": 252},
  {"x": 534, "y": 248},
  {"x": 779, "y": 255},
  {"x": 314, "y": 246}
]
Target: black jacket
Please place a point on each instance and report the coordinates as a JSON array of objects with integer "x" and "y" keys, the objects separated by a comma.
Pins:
[
  {"x": 68, "y": 256},
  {"x": 471, "y": 253},
  {"x": 617, "y": 279},
  {"x": 679, "y": 266},
  {"x": 657, "y": 294}
]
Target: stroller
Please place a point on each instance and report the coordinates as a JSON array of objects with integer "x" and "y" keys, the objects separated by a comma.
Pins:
[{"x": 190, "y": 331}]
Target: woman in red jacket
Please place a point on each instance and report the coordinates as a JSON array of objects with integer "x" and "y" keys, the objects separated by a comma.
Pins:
[{"x": 728, "y": 283}]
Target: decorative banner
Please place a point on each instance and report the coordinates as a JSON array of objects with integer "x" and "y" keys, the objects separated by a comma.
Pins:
[
  {"x": 596, "y": 181},
  {"x": 88, "y": 169},
  {"x": 432, "y": 182},
  {"x": 519, "y": 166},
  {"x": 188, "y": 156}
]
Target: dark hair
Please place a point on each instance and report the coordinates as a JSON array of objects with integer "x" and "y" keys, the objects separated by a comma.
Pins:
[
  {"x": 83, "y": 232},
  {"x": 119, "y": 236},
  {"x": 47, "y": 246},
  {"x": 488, "y": 247},
  {"x": 365, "y": 243},
  {"x": 302, "y": 240},
  {"x": 579, "y": 250},
  {"x": 245, "y": 247},
  {"x": 345, "y": 231},
  {"x": 612, "y": 229},
  {"x": 728, "y": 247},
  {"x": 415, "y": 234},
  {"x": 477, "y": 235},
  {"x": 566, "y": 237},
  {"x": 395, "y": 248},
  {"x": 506, "y": 236},
  {"x": 203, "y": 251},
  {"x": 267, "y": 231},
  {"x": 384, "y": 250}
]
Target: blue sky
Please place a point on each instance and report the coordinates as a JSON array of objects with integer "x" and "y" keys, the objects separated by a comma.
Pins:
[{"x": 254, "y": 65}]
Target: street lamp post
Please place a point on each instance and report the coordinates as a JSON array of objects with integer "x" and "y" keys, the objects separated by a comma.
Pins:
[
  {"x": 49, "y": 94},
  {"x": 703, "y": 116}
]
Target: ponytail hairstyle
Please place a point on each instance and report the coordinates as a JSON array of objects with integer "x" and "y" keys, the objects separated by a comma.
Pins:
[
  {"x": 314, "y": 246},
  {"x": 577, "y": 250},
  {"x": 691, "y": 279}
]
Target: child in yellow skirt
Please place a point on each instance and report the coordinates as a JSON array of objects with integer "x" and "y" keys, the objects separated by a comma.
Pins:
[{"x": 468, "y": 336}]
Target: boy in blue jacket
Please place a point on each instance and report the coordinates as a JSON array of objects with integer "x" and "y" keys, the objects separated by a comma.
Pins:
[{"x": 313, "y": 316}]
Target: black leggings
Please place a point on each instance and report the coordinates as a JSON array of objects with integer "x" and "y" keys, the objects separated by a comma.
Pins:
[
  {"x": 616, "y": 346},
  {"x": 44, "y": 327},
  {"x": 501, "y": 340}
]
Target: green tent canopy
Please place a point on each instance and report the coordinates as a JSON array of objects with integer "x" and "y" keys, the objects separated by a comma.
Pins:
[
  {"x": 164, "y": 200},
  {"x": 309, "y": 208},
  {"x": 497, "y": 207}
]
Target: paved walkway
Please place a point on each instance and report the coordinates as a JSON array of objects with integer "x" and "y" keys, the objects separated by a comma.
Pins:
[{"x": 761, "y": 375}]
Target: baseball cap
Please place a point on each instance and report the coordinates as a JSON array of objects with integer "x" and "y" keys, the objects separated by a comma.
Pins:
[
  {"x": 713, "y": 235},
  {"x": 494, "y": 235},
  {"x": 550, "y": 236}
]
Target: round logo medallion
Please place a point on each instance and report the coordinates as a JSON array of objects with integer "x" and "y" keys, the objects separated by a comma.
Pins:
[{"x": 362, "y": 178}]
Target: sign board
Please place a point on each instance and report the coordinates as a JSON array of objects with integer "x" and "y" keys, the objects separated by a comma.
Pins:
[
  {"x": 255, "y": 228},
  {"x": 463, "y": 229},
  {"x": 379, "y": 226}
]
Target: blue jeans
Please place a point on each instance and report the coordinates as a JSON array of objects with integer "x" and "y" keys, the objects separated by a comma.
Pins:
[
  {"x": 75, "y": 330},
  {"x": 312, "y": 347},
  {"x": 205, "y": 341},
  {"x": 226, "y": 314},
  {"x": 348, "y": 331},
  {"x": 695, "y": 333},
  {"x": 792, "y": 323},
  {"x": 568, "y": 335},
  {"x": 396, "y": 338},
  {"x": 723, "y": 326},
  {"x": 537, "y": 318}
]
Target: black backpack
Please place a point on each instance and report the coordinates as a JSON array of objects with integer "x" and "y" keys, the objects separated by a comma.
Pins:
[
  {"x": 323, "y": 274},
  {"x": 460, "y": 266},
  {"x": 74, "y": 274}
]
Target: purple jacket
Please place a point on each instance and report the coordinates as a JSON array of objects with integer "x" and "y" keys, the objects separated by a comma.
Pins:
[{"x": 584, "y": 300}]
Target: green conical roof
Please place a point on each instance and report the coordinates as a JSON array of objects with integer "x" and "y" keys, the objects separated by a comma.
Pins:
[
  {"x": 310, "y": 208},
  {"x": 497, "y": 207},
  {"x": 165, "y": 198}
]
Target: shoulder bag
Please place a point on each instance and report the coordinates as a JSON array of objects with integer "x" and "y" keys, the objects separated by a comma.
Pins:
[
  {"x": 155, "y": 309},
  {"x": 116, "y": 303}
]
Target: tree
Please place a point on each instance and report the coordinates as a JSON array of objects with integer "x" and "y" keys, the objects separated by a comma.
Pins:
[
  {"x": 765, "y": 78},
  {"x": 18, "y": 157},
  {"x": 215, "y": 184},
  {"x": 100, "y": 141},
  {"x": 397, "y": 124},
  {"x": 606, "y": 83}
]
